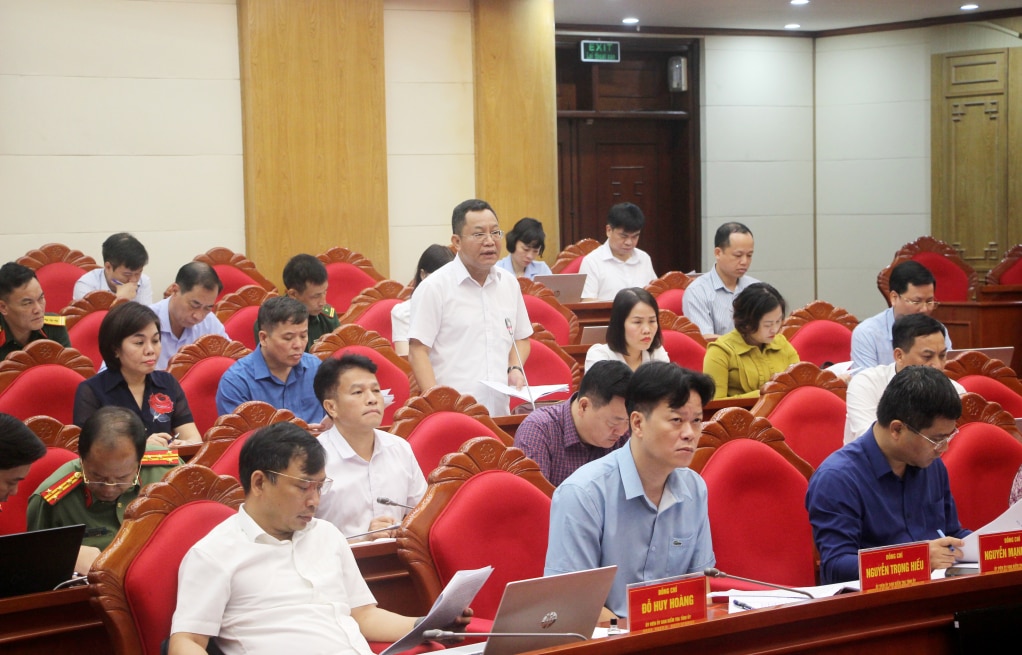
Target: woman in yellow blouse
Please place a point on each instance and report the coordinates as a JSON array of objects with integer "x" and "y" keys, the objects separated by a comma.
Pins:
[{"x": 744, "y": 359}]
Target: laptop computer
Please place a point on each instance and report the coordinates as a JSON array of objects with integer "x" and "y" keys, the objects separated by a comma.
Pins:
[
  {"x": 31, "y": 562},
  {"x": 547, "y": 608},
  {"x": 566, "y": 286},
  {"x": 1002, "y": 353},
  {"x": 593, "y": 334}
]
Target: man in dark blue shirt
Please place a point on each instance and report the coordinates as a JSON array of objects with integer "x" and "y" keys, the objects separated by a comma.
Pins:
[{"x": 889, "y": 486}]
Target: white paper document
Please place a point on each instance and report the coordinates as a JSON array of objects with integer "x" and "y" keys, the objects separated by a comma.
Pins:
[
  {"x": 538, "y": 390},
  {"x": 449, "y": 605},
  {"x": 747, "y": 600},
  {"x": 1010, "y": 521}
]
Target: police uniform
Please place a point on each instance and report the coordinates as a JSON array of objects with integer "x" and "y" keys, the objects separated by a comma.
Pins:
[
  {"x": 322, "y": 323},
  {"x": 53, "y": 329},
  {"x": 63, "y": 499}
]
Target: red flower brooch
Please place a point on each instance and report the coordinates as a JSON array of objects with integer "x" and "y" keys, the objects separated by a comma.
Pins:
[{"x": 161, "y": 406}]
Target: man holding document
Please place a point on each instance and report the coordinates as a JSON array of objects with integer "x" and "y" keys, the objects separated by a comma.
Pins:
[
  {"x": 272, "y": 578},
  {"x": 889, "y": 486}
]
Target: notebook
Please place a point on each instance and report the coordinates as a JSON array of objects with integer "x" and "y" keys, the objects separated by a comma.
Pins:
[
  {"x": 554, "y": 605},
  {"x": 566, "y": 286},
  {"x": 31, "y": 562},
  {"x": 1002, "y": 353}
]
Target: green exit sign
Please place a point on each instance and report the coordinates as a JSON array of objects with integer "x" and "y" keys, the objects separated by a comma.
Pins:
[{"x": 601, "y": 51}]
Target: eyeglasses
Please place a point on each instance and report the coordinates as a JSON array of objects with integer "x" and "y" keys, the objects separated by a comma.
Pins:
[
  {"x": 940, "y": 443},
  {"x": 918, "y": 303},
  {"x": 496, "y": 235},
  {"x": 119, "y": 485},
  {"x": 321, "y": 486}
]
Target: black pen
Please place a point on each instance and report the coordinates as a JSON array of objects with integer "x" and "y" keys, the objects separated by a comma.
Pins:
[{"x": 739, "y": 604}]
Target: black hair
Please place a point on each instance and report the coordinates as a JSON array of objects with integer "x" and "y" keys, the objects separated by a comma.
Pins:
[
  {"x": 917, "y": 395},
  {"x": 907, "y": 328},
  {"x": 431, "y": 259},
  {"x": 13, "y": 276},
  {"x": 530, "y": 232},
  {"x": 753, "y": 303},
  {"x": 656, "y": 382},
  {"x": 109, "y": 423},
  {"x": 463, "y": 208},
  {"x": 278, "y": 310},
  {"x": 121, "y": 322},
  {"x": 624, "y": 302},
  {"x": 200, "y": 274},
  {"x": 329, "y": 374},
  {"x": 272, "y": 448},
  {"x": 910, "y": 272},
  {"x": 302, "y": 270},
  {"x": 18, "y": 444},
  {"x": 722, "y": 239},
  {"x": 122, "y": 249},
  {"x": 626, "y": 216},
  {"x": 605, "y": 380}
]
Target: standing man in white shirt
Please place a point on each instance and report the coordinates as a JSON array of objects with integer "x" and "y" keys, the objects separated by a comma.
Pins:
[
  {"x": 365, "y": 462},
  {"x": 187, "y": 313},
  {"x": 709, "y": 300},
  {"x": 469, "y": 315},
  {"x": 124, "y": 257},
  {"x": 618, "y": 263}
]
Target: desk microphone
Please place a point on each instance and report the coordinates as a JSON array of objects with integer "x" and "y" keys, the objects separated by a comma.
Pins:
[
  {"x": 383, "y": 500},
  {"x": 366, "y": 534},
  {"x": 435, "y": 635},
  {"x": 510, "y": 331},
  {"x": 717, "y": 573}
]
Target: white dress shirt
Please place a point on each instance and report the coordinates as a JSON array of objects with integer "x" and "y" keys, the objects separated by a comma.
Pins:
[
  {"x": 599, "y": 352},
  {"x": 94, "y": 280},
  {"x": 170, "y": 344},
  {"x": 606, "y": 274}
]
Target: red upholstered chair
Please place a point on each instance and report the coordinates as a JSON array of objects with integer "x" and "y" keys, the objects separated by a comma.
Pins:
[
  {"x": 570, "y": 259},
  {"x": 393, "y": 372},
  {"x": 134, "y": 581},
  {"x": 13, "y": 519},
  {"x": 42, "y": 379},
  {"x": 440, "y": 421},
  {"x": 549, "y": 364},
  {"x": 669, "y": 290},
  {"x": 544, "y": 308},
  {"x": 956, "y": 280},
  {"x": 235, "y": 271},
  {"x": 733, "y": 423},
  {"x": 982, "y": 461},
  {"x": 349, "y": 273},
  {"x": 199, "y": 367},
  {"x": 53, "y": 433},
  {"x": 82, "y": 319},
  {"x": 486, "y": 504},
  {"x": 754, "y": 493},
  {"x": 989, "y": 378},
  {"x": 1009, "y": 270},
  {"x": 239, "y": 311},
  {"x": 371, "y": 308},
  {"x": 820, "y": 333},
  {"x": 808, "y": 406},
  {"x": 57, "y": 268},
  {"x": 221, "y": 444},
  {"x": 683, "y": 341}
]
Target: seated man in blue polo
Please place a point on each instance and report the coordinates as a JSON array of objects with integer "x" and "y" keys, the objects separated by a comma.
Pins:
[{"x": 278, "y": 371}]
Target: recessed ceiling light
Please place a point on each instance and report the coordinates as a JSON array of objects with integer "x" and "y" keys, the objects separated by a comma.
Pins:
[
  {"x": 631, "y": 20},
  {"x": 799, "y": 2},
  {"x": 970, "y": 7},
  {"x": 792, "y": 26}
]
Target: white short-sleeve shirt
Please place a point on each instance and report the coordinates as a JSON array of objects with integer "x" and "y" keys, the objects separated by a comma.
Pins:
[
  {"x": 606, "y": 274},
  {"x": 94, "y": 280}
]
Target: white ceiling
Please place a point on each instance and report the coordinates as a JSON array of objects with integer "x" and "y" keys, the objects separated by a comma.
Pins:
[{"x": 764, "y": 14}]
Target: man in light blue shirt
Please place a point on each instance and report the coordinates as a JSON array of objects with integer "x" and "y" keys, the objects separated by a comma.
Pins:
[
  {"x": 708, "y": 300},
  {"x": 640, "y": 507},
  {"x": 187, "y": 313},
  {"x": 912, "y": 288},
  {"x": 278, "y": 371}
]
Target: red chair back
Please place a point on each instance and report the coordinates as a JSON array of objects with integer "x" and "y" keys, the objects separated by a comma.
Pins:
[
  {"x": 239, "y": 326},
  {"x": 45, "y": 389},
  {"x": 13, "y": 519},
  {"x": 671, "y": 299},
  {"x": 812, "y": 421},
  {"x": 84, "y": 336},
  {"x": 546, "y": 315},
  {"x": 346, "y": 281},
  {"x": 820, "y": 342},
  {"x": 743, "y": 477},
  {"x": 58, "y": 282},
  {"x": 441, "y": 433},
  {"x": 952, "y": 282},
  {"x": 573, "y": 265},
  {"x": 387, "y": 373},
  {"x": 684, "y": 350},
  {"x": 1013, "y": 275},
  {"x": 990, "y": 389},
  {"x": 377, "y": 317},
  {"x": 981, "y": 465},
  {"x": 199, "y": 384}
]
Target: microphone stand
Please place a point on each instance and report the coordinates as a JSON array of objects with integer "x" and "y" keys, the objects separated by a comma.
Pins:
[{"x": 717, "y": 573}]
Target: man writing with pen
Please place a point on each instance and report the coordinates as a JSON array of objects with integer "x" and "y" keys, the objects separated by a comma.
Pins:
[
  {"x": 889, "y": 486},
  {"x": 376, "y": 476}
]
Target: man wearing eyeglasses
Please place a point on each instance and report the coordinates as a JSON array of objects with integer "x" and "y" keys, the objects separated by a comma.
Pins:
[
  {"x": 468, "y": 316},
  {"x": 618, "y": 263},
  {"x": 912, "y": 288},
  {"x": 272, "y": 578},
  {"x": 95, "y": 489},
  {"x": 889, "y": 486},
  {"x": 187, "y": 313}
]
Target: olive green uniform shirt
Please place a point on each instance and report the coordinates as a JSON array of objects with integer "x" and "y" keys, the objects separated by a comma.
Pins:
[{"x": 53, "y": 329}]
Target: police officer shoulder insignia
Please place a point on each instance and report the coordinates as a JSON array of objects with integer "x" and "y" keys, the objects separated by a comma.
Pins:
[{"x": 62, "y": 487}]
